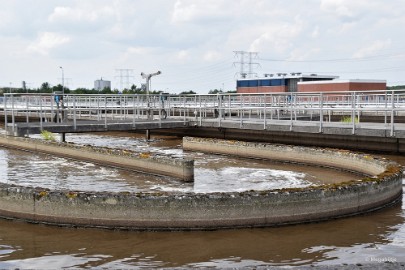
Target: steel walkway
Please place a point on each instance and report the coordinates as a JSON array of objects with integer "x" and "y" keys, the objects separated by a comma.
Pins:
[{"x": 342, "y": 113}]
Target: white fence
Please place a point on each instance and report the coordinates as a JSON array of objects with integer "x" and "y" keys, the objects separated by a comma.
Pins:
[{"x": 316, "y": 108}]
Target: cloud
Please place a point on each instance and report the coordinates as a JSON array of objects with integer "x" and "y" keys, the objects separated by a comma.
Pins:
[
  {"x": 372, "y": 49},
  {"x": 315, "y": 32},
  {"x": 200, "y": 11},
  {"x": 81, "y": 18},
  {"x": 211, "y": 55},
  {"x": 277, "y": 36},
  {"x": 48, "y": 41},
  {"x": 181, "y": 34},
  {"x": 339, "y": 7},
  {"x": 183, "y": 55},
  {"x": 69, "y": 14}
]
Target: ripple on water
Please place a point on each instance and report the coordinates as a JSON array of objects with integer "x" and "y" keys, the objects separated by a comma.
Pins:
[
  {"x": 53, "y": 172},
  {"x": 213, "y": 173}
]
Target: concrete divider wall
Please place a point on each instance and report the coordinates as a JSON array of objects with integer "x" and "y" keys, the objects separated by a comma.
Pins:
[
  {"x": 318, "y": 156},
  {"x": 176, "y": 167},
  {"x": 167, "y": 211}
]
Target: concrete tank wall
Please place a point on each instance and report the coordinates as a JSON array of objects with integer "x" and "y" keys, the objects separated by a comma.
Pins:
[
  {"x": 165, "y": 211},
  {"x": 176, "y": 167},
  {"x": 318, "y": 156}
]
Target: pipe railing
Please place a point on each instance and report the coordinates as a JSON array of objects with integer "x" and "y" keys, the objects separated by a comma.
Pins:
[{"x": 265, "y": 108}]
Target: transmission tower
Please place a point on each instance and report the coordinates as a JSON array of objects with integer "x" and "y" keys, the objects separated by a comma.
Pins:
[
  {"x": 246, "y": 60},
  {"x": 125, "y": 76}
]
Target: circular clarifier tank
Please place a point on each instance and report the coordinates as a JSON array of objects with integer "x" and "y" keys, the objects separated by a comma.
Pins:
[
  {"x": 213, "y": 173},
  {"x": 228, "y": 192}
]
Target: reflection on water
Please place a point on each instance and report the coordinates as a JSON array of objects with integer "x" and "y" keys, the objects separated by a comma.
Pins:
[
  {"x": 359, "y": 239},
  {"x": 349, "y": 240}
]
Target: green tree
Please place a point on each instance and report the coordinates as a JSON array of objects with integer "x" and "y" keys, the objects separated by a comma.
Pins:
[
  {"x": 60, "y": 88},
  {"x": 190, "y": 92},
  {"x": 215, "y": 91},
  {"x": 106, "y": 90},
  {"x": 45, "y": 88},
  {"x": 396, "y": 87}
]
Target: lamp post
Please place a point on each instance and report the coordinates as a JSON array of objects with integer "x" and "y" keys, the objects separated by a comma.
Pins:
[{"x": 63, "y": 82}]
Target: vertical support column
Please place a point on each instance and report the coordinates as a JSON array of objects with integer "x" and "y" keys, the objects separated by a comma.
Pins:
[
  {"x": 134, "y": 113},
  {"x": 147, "y": 134},
  {"x": 219, "y": 97},
  {"x": 200, "y": 116},
  {"x": 386, "y": 107},
  {"x": 321, "y": 113},
  {"x": 160, "y": 108},
  {"x": 27, "y": 107},
  {"x": 63, "y": 137},
  {"x": 5, "y": 111},
  {"x": 264, "y": 112},
  {"x": 290, "y": 104},
  {"x": 242, "y": 101},
  {"x": 105, "y": 112},
  {"x": 74, "y": 113},
  {"x": 40, "y": 112},
  {"x": 353, "y": 113},
  {"x": 12, "y": 113},
  {"x": 229, "y": 106},
  {"x": 184, "y": 109},
  {"x": 392, "y": 114}
]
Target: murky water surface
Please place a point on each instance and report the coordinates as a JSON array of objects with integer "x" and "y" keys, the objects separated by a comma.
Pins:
[
  {"x": 213, "y": 173},
  {"x": 368, "y": 238}
]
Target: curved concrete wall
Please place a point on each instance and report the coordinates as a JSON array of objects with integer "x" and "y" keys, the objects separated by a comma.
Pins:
[
  {"x": 317, "y": 156},
  {"x": 175, "y": 167},
  {"x": 163, "y": 211}
]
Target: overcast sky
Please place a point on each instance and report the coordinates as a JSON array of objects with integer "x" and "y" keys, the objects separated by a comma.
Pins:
[{"x": 192, "y": 42}]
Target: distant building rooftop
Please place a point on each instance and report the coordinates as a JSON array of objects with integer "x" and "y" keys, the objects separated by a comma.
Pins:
[{"x": 296, "y": 75}]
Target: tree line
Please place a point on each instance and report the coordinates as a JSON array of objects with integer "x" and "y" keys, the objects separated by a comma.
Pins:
[{"x": 47, "y": 88}]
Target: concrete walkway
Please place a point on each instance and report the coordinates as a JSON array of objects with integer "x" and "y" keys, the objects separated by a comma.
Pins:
[{"x": 21, "y": 129}]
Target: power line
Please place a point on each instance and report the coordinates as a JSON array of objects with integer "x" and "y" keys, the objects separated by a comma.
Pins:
[{"x": 359, "y": 59}]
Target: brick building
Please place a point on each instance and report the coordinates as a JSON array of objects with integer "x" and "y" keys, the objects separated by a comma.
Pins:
[{"x": 297, "y": 82}]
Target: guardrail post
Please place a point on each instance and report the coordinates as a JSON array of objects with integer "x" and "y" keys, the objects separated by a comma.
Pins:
[
  {"x": 264, "y": 113},
  {"x": 386, "y": 107},
  {"x": 105, "y": 112},
  {"x": 184, "y": 109},
  {"x": 353, "y": 114},
  {"x": 40, "y": 112},
  {"x": 74, "y": 113},
  {"x": 5, "y": 111},
  {"x": 200, "y": 116},
  {"x": 290, "y": 105},
  {"x": 219, "y": 109},
  {"x": 12, "y": 113},
  {"x": 27, "y": 112},
  {"x": 160, "y": 107},
  {"x": 392, "y": 114},
  {"x": 320, "y": 112},
  {"x": 134, "y": 110}
]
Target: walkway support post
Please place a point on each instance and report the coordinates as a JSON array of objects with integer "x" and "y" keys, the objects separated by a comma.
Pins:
[
  {"x": 353, "y": 114},
  {"x": 321, "y": 113},
  {"x": 392, "y": 114},
  {"x": 5, "y": 111},
  {"x": 12, "y": 113}
]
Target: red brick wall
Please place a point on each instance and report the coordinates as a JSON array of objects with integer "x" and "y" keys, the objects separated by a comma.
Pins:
[{"x": 344, "y": 86}]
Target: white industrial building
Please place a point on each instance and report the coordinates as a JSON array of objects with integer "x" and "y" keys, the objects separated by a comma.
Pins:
[{"x": 101, "y": 84}]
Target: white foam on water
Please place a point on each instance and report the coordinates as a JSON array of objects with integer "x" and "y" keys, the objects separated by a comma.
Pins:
[{"x": 242, "y": 179}]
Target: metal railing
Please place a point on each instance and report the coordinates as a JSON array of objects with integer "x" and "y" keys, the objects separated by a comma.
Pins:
[{"x": 288, "y": 108}]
